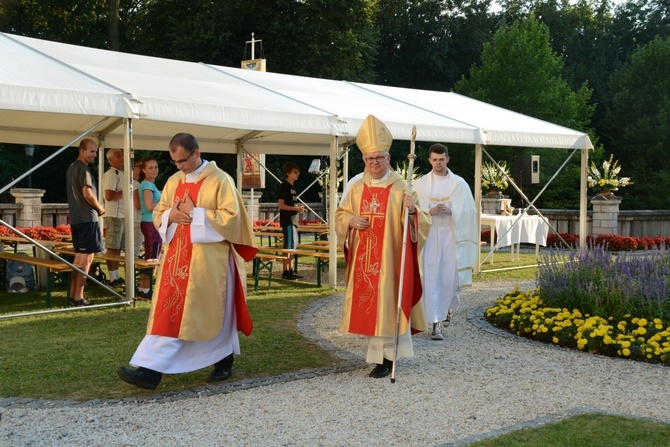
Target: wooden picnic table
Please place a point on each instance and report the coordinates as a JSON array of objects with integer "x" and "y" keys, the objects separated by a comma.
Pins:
[{"x": 15, "y": 241}]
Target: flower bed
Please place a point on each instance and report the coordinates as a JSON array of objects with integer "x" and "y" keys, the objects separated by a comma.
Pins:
[
  {"x": 525, "y": 314},
  {"x": 610, "y": 242},
  {"x": 39, "y": 233},
  {"x": 597, "y": 302}
]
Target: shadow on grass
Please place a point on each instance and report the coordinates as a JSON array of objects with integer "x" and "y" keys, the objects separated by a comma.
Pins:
[{"x": 75, "y": 355}]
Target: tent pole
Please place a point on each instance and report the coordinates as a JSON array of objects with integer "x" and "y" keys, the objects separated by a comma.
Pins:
[
  {"x": 478, "y": 203},
  {"x": 128, "y": 156},
  {"x": 332, "y": 259},
  {"x": 238, "y": 162},
  {"x": 582, "y": 198}
]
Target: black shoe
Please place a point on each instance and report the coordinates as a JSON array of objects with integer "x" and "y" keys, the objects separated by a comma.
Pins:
[
  {"x": 223, "y": 369},
  {"x": 288, "y": 274},
  {"x": 142, "y": 377},
  {"x": 382, "y": 370},
  {"x": 80, "y": 303},
  {"x": 118, "y": 282},
  {"x": 144, "y": 296}
]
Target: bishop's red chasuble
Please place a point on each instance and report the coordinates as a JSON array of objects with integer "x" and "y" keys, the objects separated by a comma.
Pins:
[{"x": 374, "y": 260}]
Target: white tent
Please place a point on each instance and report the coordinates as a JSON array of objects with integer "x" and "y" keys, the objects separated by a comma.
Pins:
[{"x": 54, "y": 94}]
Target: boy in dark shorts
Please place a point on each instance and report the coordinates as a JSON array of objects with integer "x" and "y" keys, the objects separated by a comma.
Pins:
[{"x": 288, "y": 215}]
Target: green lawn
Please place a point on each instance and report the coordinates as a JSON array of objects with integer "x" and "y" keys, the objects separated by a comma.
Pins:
[
  {"x": 588, "y": 430},
  {"x": 74, "y": 355}
]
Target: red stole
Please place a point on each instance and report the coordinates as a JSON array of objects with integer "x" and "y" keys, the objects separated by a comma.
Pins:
[
  {"x": 171, "y": 296},
  {"x": 367, "y": 264}
]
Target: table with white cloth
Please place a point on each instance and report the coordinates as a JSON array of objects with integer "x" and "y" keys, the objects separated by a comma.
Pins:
[{"x": 515, "y": 230}]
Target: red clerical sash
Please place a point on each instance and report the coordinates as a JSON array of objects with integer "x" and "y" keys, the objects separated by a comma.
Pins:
[
  {"x": 412, "y": 289},
  {"x": 171, "y": 296},
  {"x": 368, "y": 261}
]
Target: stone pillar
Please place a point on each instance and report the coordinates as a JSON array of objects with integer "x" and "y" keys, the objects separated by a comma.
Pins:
[
  {"x": 31, "y": 213},
  {"x": 605, "y": 215},
  {"x": 251, "y": 203},
  {"x": 494, "y": 203}
]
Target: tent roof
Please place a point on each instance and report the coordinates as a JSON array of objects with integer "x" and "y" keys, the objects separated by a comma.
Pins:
[{"x": 52, "y": 92}]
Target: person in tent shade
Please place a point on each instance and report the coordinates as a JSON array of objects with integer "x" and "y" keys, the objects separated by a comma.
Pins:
[{"x": 85, "y": 212}]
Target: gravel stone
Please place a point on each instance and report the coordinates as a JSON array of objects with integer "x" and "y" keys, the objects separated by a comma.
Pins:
[{"x": 478, "y": 382}]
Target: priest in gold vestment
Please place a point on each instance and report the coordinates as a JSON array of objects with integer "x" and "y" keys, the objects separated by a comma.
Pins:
[
  {"x": 369, "y": 222},
  {"x": 199, "y": 301}
]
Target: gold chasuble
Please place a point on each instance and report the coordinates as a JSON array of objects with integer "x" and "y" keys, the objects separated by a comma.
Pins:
[
  {"x": 374, "y": 259},
  {"x": 190, "y": 289}
]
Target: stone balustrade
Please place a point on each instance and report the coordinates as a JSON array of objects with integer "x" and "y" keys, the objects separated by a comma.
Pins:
[{"x": 605, "y": 218}]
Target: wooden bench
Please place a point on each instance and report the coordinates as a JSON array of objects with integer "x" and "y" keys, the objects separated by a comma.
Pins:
[
  {"x": 140, "y": 264},
  {"x": 322, "y": 257},
  {"x": 264, "y": 261},
  {"x": 269, "y": 232},
  {"x": 54, "y": 267}
]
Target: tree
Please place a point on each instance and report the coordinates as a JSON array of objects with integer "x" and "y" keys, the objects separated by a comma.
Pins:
[
  {"x": 520, "y": 71},
  {"x": 79, "y": 22},
  {"x": 333, "y": 39},
  {"x": 638, "y": 123},
  {"x": 429, "y": 44}
]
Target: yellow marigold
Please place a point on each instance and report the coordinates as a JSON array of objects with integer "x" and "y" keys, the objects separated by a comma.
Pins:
[
  {"x": 621, "y": 326},
  {"x": 658, "y": 326},
  {"x": 581, "y": 343},
  {"x": 635, "y": 320},
  {"x": 555, "y": 339},
  {"x": 641, "y": 330},
  {"x": 642, "y": 322},
  {"x": 625, "y": 344},
  {"x": 626, "y": 352}
]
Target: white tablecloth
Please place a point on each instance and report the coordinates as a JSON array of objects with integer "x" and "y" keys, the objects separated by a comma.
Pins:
[{"x": 528, "y": 229}]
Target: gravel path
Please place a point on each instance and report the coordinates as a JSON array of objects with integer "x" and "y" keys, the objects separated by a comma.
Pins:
[{"x": 476, "y": 383}]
